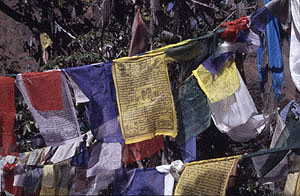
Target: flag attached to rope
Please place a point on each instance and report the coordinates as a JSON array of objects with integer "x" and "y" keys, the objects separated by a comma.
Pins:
[
  {"x": 146, "y": 181},
  {"x": 96, "y": 83},
  {"x": 144, "y": 97},
  {"x": 288, "y": 138},
  {"x": 237, "y": 115},
  {"x": 193, "y": 113},
  {"x": 219, "y": 86},
  {"x": 208, "y": 177},
  {"x": 140, "y": 150},
  {"x": 8, "y": 144},
  {"x": 49, "y": 100}
]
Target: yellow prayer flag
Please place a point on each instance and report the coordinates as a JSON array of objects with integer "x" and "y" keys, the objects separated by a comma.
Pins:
[
  {"x": 220, "y": 86},
  {"x": 50, "y": 180},
  {"x": 45, "y": 41},
  {"x": 144, "y": 97},
  {"x": 207, "y": 177},
  {"x": 291, "y": 184}
]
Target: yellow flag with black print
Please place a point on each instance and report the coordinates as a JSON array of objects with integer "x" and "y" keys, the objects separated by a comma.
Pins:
[
  {"x": 221, "y": 85},
  {"x": 207, "y": 177},
  {"x": 144, "y": 97}
]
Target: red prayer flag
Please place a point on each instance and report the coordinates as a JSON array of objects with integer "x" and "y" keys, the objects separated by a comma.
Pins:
[
  {"x": 137, "y": 151},
  {"x": 8, "y": 175},
  {"x": 232, "y": 28},
  {"x": 139, "y": 33},
  {"x": 8, "y": 144},
  {"x": 44, "y": 90}
]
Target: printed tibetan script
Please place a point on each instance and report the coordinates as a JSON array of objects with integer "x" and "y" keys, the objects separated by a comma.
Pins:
[
  {"x": 144, "y": 98},
  {"x": 208, "y": 177}
]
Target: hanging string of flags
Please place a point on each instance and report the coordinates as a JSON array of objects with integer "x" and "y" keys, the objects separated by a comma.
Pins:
[{"x": 134, "y": 103}]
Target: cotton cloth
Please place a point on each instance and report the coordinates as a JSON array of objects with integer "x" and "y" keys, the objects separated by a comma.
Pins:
[
  {"x": 207, "y": 177},
  {"x": 80, "y": 97},
  {"x": 48, "y": 98},
  {"x": 32, "y": 180},
  {"x": 50, "y": 180},
  {"x": 8, "y": 144},
  {"x": 213, "y": 65},
  {"x": 34, "y": 157},
  {"x": 64, "y": 152},
  {"x": 139, "y": 182},
  {"x": 237, "y": 114},
  {"x": 140, "y": 150},
  {"x": 82, "y": 156},
  {"x": 221, "y": 85},
  {"x": 8, "y": 176},
  {"x": 286, "y": 139},
  {"x": 96, "y": 83},
  {"x": 188, "y": 150},
  {"x": 193, "y": 112},
  {"x": 170, "y": 170},
  {"x": 280, "y": 171},
  {"x": 138, "y": 35},
  {"x": 105, "y": 159},
  {"x": 144, "y": 97},
  {"x": 274, "y": 52},
  {"x": 295, "y": 44}
]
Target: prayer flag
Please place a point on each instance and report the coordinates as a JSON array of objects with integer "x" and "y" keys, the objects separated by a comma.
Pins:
[
  {"x": 207, "y": 177},
  {"x": 140, "y": 150},
  {"x": 288, "y": 138},
  {"x": 193, "y": 113},
  {"x": 144, "y": 97},
  {"x": 139, "y": 182},
  {"x": 8, "y": 176},
  {"x": 49, "y": 100},
  {"x": 294, "y": 59},
  {"x": 96, "y": 83},
  {"x": 138, "y": 35},
  {"x": 8, "y": 144},
  {"x": 219, "y": 86}
]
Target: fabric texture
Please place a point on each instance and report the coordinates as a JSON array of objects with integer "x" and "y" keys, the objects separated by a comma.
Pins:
[
  {"x": 288, "y": 138},
  {"x": 220, "y": 86},
  {"x": 140, "y": 150},
  {"x": 138, "y": 35},
  {"x": 274, "y": 52},
  {"x": 8, "y": 144},
  {"x": 193, "y": 113},
  {"x": 105, "y": 159},
  {"x": 57, "y": 126},
  {"x": 8, "y": 176},
  {"x": 280, "y": 171},
  {"x": 291, "y": 184},
  {"x": 64, "y": 152},
  {"x": 188, "y": 150},
  {"x": 294, "y": 59},
  {"x": 234, "y": 110},
  {"x": 82, "y": 156},
  {"x": 32, "y": 181},
  {"x": 139, "y": 182},
  {"x": 233, "y": 28},
  {"x": 208, "y": 177},
  {"x": 96, "y": 83},
  {"x": 213, "y": 65},
  {"x": 144, "y": 97}
]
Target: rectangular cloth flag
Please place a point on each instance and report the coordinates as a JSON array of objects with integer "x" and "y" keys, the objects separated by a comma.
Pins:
[
  {"x": 237, "y": 115},
  {"x": 207, "y": 177},
  {"x": 221, "y": 85},
  {"x": 8, "y": 176},
  {"x": 288, "y": 138},
  {"x": 144, "y": 97},
  {"x": 193, "y": 113},
  {"x": 49, "y": 100},
  {"x": 294, "y": 60},
  {"x": 138, "y": 151},
  {"x": 105, "y": 159},
  {"x": 139, "y": 182},
  {"x": 8, "y": 144},
  {"x": 96, "y": 82}
]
